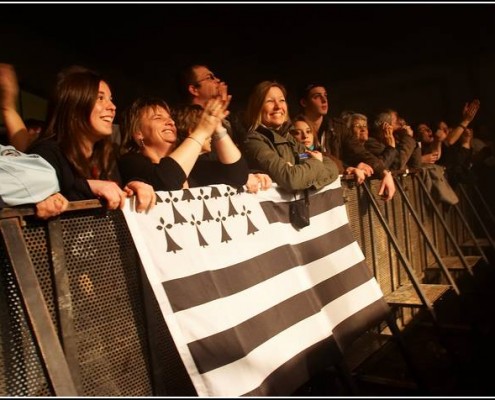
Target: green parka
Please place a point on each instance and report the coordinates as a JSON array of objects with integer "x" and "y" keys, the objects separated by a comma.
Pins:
[{"x": 276, "y": 153}]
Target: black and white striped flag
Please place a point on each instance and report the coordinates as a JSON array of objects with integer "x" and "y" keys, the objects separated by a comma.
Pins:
[{"x": 255, "y": 306}]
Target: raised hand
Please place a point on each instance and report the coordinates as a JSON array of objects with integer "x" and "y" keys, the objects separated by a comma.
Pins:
[
  {"x": 9, "y": 88},
  {"x": 470, "y": 110}
]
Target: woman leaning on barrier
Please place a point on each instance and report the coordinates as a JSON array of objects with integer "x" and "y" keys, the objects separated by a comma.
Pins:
[{"x": 77, "y": 142}]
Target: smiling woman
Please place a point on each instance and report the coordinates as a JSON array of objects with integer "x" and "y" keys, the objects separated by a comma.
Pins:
[
  {"x": 78, "y": 142},
  {"x": 270, "y": 147},
  {"x": 154, "y": 155}
]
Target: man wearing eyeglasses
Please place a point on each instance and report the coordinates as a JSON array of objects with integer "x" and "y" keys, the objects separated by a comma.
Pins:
[
  {"x": 338, "y": 141},
  {"x": 199, "y": 84}
]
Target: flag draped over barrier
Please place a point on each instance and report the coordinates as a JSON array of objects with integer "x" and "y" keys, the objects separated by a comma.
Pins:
[{"x": 255, "y": 306}]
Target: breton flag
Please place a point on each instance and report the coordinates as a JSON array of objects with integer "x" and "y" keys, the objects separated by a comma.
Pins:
[{"x": 255, "y": 306}]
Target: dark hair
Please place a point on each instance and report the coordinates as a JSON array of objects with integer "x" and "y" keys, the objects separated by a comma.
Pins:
[
  {"x": 304, "y": 91},
  {"x": 131, "y": 119},
  {"x": 73, "y": 101},
  {"x": 187, "y": 76}
]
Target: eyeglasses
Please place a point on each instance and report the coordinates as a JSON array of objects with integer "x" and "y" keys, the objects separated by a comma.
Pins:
[
  {"x": 209, "y": 77},
  {"x": 360, "y": 126}
]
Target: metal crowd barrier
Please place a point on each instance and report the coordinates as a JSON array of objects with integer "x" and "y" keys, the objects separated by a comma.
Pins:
[{"x": 79, "y": 317}]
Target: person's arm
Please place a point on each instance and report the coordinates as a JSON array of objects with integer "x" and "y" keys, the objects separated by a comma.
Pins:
[
  {"x": 226, "y": 150},
  {"x": 261, "y": 155},
  {"x": 257, "y": 182},
  {"x": 186, "y": 154},
  {"x": 405, "y": 147},
  {"x": 468, "y": 113},
  {"x": 17, "y": 133},
  {"x": 387, "y": 186},
  {"x": 359, "y": 174},
  {"x": 353, "y": 154}
]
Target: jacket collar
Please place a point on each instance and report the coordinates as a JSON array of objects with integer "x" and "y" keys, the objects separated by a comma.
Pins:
[{"x": 275, "y": 136}]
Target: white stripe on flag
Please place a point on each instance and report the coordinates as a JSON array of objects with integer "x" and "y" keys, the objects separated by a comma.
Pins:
[
  {"x": 199, "y": 322},
  {"x": 244, "y": 271},
  {"x": 240, "y": 376}
]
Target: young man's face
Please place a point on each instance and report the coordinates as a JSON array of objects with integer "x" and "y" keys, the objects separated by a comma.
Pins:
[{"x": 316, "y": 101}]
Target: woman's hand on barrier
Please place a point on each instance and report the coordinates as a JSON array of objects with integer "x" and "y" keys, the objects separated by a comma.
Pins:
[
  {"x": 145, "y": 195},
  {"x": 109, "y": 191},
  {"x": 430, "y": 158},
  {"x": 256, "y": 182}
]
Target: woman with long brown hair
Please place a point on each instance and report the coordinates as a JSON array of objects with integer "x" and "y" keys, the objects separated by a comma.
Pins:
[{"x": 77, "y": 142}]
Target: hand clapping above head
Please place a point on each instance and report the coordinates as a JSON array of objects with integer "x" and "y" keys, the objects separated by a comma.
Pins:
[{"x": 215, "y": 111}]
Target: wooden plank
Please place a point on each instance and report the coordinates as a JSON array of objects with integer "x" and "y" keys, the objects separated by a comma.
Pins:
[
  {"x": 483, "y": 242},
  {"x": 407, "y": 296},
  {"x": 454, "y": 263}
]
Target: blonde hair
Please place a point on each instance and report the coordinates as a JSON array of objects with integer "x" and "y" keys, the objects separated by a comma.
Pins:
[{"x": 252, "y": 117}]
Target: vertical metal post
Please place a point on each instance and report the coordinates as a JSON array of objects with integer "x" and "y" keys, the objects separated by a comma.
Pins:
[{"x": 44, "y": 330}]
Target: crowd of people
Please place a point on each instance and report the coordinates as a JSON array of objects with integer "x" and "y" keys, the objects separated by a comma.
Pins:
[{"x": 73, "y": 154}]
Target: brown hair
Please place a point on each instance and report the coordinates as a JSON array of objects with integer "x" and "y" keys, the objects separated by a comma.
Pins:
[
  {"x": 316, "y": 141},
  {"x": 73, "y": 101},
  {"x": 131, "y": 119},
  {"x": 186, "y": 119}
]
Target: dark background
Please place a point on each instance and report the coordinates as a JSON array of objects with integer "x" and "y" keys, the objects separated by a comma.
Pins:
[{"x": 370, "y": 55}]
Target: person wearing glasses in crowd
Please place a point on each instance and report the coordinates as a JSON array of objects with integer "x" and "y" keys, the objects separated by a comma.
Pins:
[
  {"x": 198, "y": 84},
  {"x": 152, "y": 153},
  {"x": 272, "y": 149},
  {"x": 336, "y": 139}
]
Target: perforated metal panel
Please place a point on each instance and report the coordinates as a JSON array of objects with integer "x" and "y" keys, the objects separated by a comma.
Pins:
[
  {"x": 119, "y": 351},
  {"x": 107, "y": 306},
  {"x": 21, "y": 371}
]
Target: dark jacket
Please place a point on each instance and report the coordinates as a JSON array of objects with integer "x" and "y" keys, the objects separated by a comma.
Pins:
[
  {"x": 72, "y": 185},
  {"x": 340, "y": 142},
  {"x": 389, "y": 155},
  {"x": 409, "y": 152},
  {"x": 276, "y": 153},
  {"x": 405, "y": 154}
]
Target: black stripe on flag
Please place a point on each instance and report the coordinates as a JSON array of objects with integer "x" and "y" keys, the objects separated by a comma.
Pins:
[
  {"x": 210, "y": 285},
  {"x": 234, "y": 343},
  {"x": 319, "y": 203}
]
